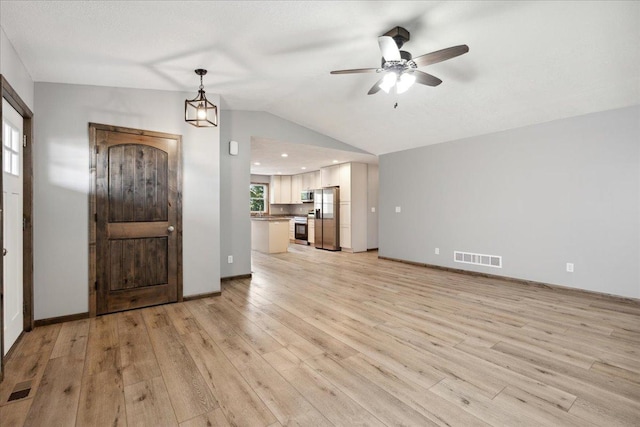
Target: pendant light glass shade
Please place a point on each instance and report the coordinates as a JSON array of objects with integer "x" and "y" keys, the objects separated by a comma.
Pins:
[
  {"x": 199, "y": 111},
  {"x": 405, "y": 81}
]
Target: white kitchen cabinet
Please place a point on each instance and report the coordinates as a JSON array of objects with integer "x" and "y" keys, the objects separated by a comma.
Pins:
[
  {"x": 345, "y": 182},
  {"x": 296, "y": 188},
  {"x": 330, "y": 176},
  {"x": 353, "y": 207},
  {"x": 307, "y": 181},
  {"x": 274, "y": 190},
  {"x": 315, "y": 180},
  {"x": 311, "y": 230},
  {"x": 285, "y": 189},
  {"x": 311, "y": 181},
  {"x": 292, "y": 230}
]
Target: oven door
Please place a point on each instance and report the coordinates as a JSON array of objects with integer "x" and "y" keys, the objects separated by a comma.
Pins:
[{"x": 301, "y": 232}]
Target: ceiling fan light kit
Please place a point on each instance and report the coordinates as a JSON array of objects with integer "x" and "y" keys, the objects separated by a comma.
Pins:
[
  {"x": 399, "y": 68},
  {"x": 199, "y": 111}
]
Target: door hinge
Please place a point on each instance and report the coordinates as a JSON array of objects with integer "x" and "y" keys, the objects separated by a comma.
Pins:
[
  {"x": 95, "y": 217},
  {"x": 95, "y": 285},
  {"x": 24, "y": 140},
  {"x": 24, "y": 223},
  {"x": 24, "y": 307},
  {"x": 97, "y": 149}
]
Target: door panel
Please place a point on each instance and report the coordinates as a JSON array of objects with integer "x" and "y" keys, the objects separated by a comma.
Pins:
[
  {"x": 12, "y": 201},
  {"x": 137, "y": 213}
]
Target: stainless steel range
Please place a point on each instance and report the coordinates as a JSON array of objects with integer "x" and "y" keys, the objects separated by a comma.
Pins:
[{"x": 301, "y": 230}]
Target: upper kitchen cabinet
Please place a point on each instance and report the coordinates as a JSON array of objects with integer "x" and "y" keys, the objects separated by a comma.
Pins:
[
  {"x": 285, "y": 189},
  {"x": 296, "y": 188},
  {"x": 311, "y": 180},
  {"x": 280, "y": 189},
  {"x": 330, "y": 176}
]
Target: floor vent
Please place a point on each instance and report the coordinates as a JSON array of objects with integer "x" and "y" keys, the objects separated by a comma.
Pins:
[
  {"x": 20, "y": 391},
  {"x": 478, "y": 259}
]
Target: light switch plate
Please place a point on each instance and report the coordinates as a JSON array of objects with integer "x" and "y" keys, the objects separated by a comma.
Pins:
[{"x": 398, "y": 209}]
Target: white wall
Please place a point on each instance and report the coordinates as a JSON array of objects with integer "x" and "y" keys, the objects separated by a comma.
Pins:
[
  {"x": 61, "y": 181},
  {"x": 14, "y": 71},
  {"x": 566, "y": 191}
]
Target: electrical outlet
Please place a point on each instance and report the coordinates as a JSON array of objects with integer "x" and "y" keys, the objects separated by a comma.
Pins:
[
  {"x": 230, "y": 259},
  {"x": 398, "y": 209},
  {"x": 373, "y": 209},
  {"x": 569, "y": 267},
  {"x": 437, "y": 251},
  {"x": 281, "y": 209}
]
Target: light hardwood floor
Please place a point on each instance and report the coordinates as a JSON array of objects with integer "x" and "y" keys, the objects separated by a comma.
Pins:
[{"x": 318, "y": 338}]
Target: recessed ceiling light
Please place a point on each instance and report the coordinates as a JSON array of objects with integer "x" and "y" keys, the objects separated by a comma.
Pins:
[
  {"x": 303, "y": 168},
  {"x": 284, "y": 155},
  {"x": 256, "y": 163},
  {"x": 335, "y": 161}
]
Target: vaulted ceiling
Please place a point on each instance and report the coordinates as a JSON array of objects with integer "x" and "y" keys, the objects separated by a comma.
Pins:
[{"x": 529, "y": 61}]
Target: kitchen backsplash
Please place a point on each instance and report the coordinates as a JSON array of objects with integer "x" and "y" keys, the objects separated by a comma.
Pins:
[{"x": 299, "y": 209}]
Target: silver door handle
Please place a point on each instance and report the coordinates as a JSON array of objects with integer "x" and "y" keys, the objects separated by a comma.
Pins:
[
  {"x": 170, "y": 229},
  {"x": 4, "y": 251}
]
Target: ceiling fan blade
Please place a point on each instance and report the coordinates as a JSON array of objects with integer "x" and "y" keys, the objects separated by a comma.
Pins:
[
  {"x": 426, "y": 79},
  {"x": 375, "y": 88},
  {"x": 389, "y": 48},
  {"x": 355, "y": 70},
  {"x": 441, "y": 55}
]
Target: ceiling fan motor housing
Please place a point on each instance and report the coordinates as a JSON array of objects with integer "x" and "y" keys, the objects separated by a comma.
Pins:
[{"x": 399, "y": 35}]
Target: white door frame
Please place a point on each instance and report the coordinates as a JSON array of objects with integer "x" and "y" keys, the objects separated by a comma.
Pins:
[{"x": 12, "y": 97}]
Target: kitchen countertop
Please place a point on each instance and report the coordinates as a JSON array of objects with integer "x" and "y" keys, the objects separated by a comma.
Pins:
[{"x": 272, "y": 217}]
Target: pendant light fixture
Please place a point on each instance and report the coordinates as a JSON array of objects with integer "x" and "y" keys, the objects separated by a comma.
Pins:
[{"x": 199, "y": 111}]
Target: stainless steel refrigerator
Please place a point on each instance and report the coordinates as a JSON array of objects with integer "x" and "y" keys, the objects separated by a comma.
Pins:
[{"x": 326, "y": 202}]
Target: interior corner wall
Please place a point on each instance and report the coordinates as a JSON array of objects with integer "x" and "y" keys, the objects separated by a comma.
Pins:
[
  {"x": 61, "y": 182},
  {"x": 235, "y": 177},
  {"x": 14, "y": 71},
  {"x": 541, "y": 196},
  {"x": 372, "y": 206}
]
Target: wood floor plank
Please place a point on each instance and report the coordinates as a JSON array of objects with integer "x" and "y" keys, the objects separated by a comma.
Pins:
[
  {"x": 294, "y": 342},
  {"x": 328, "y": 399},
  {"x": 147, "y": 403},
  {"x": 602, "y": 414},
  {"x": 214, "y": 418},
  {"x": 284, "y": 401},
  {"x": 521, "y": 402},
  {"x": 15, "y": 413},
  {"x": 387, "y": 408},
  {"x": 470, "y": 399},
  {"x": 136, "y": 353},
  {"x": 438, "y": 410},
  {"x": 72, "y": 339},
  {"x": 102, "y": 400},
  {"x": 39, "y": 340},
  {"x": 189, "y": 394},
  {"x": 56, "y": 402},
  {"x": 282, "y": 359},
  {"x": 240, "y": 404},
  {"x": 326, "y": 342},
  {"x": 103, "y": 348}
]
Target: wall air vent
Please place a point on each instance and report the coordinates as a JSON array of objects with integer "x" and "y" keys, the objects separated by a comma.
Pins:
[{"x": 478, "y": 259}]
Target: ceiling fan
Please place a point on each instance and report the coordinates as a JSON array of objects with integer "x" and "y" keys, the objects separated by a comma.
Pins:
[{"x": 400, "y": 68}]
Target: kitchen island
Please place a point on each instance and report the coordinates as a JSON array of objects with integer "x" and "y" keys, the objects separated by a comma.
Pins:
[{"x": 270, "y": 234}]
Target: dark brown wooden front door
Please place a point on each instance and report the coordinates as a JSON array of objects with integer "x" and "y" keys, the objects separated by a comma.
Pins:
[{"x": 138, "y": 228}]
